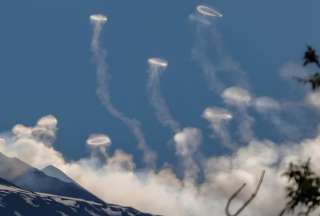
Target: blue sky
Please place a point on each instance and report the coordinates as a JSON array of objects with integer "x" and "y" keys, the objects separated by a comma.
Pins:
[{"x": 47, "y": 65}]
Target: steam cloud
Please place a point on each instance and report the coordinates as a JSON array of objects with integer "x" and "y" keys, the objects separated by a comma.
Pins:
[
  {"x": 161, "y": 191},
  {"x": 103, "y": 89}
]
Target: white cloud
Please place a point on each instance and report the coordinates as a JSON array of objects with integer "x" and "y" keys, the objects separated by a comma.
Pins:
[
  {"x": 161, "y": 191},
  {"x": 187, "y": 141},
  {"x": 44, "y": 131}
]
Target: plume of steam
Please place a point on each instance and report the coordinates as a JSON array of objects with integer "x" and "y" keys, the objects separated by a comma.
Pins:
[
  {"x": 160, "y": 191},
  {"x": 103, "y": 89},
  {"x": 44, "y": 131},
  {"x": 187, "y": 143},
  {"x": 156, "y": 67}
]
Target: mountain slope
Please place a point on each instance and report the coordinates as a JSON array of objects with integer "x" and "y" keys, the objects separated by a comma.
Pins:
[
  {"x": 32, "y": 179},
  {"x": 19, "y": 202},
  {"x": 52, "y": 171}
]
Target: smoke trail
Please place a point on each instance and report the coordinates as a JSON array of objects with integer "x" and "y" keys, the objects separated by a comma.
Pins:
[
  {"x": 156, "y": 66},
  {"x": 222, "y": 69},
  {"x": 186, "y": 140},
  {"x": 103, "y": 93},
  {"x": 219, "y": 68}
]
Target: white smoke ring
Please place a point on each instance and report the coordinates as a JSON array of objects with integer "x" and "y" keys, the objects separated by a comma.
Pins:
[{"x": 208, "y": 11}]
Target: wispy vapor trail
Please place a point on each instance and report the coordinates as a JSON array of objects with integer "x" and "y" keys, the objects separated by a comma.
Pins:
[
  {"x": 219, "y": 68},
  {"x": 156, "y": 67},
  {"x": 186, "y": 140},
  {"x": 103, "y": 92}
]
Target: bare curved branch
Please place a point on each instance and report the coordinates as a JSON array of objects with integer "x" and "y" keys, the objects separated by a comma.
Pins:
[{"x": 235, "y": 194}]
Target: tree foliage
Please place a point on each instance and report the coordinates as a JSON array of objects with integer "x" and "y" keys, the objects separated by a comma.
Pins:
[{"x": 303, "y": 189}]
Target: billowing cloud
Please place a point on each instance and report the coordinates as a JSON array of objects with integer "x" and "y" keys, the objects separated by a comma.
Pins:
[
  {"x": 187, "y": 141},
  {"x": 44, "y": 131},
  {"x": 161, "y": 191}
]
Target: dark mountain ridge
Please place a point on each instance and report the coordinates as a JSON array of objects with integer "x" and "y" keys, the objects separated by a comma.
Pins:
[{"x": 27, "y": 177}]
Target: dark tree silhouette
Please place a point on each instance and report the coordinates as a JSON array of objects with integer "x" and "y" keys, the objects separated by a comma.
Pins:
[
  {"x": 303, "y": 189},
  {"x": 311, "y": 57}
]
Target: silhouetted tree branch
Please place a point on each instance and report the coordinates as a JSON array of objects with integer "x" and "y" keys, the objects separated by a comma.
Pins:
[
  {"x": 303, "y": 190},
  {"x": 253, "y": 195}
]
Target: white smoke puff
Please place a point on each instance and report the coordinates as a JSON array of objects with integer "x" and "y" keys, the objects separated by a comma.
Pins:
[
  {"x": 265, "y": 104},
  {"x": 313, "y": 99},
  {"x": 21, "y": 131},
  {"x": 236, "y": 96},
  {"x": 217, "y": 115},
  {"x": 121, "y": 161},
  {"x": 98, "y": 140},
  {"x": 44, "y": 131},
  {"x": 48, "y": 121},
  {"x": 187, "y": 141},
  {"x": 158, "y": 62},
  {"x": 208, "y": 11},
  {"x": 98, "y": 18}
]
